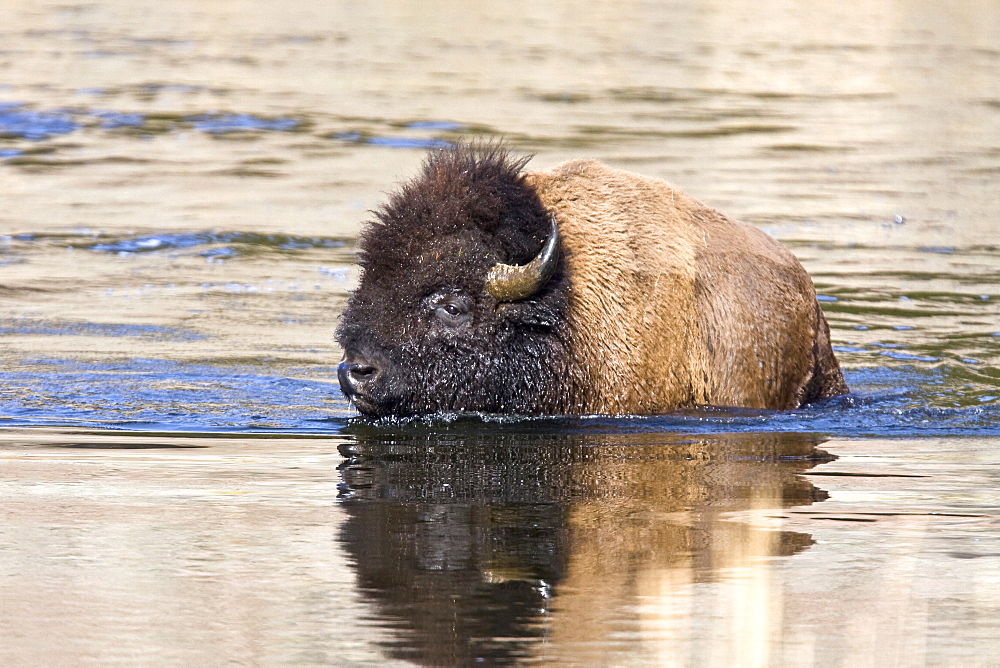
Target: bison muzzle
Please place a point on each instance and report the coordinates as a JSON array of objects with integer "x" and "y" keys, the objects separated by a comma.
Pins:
[{"x": 577, "y": 290}]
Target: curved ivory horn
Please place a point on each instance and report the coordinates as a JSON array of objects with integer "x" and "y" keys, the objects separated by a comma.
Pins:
[{"x": 510, "y": 283}]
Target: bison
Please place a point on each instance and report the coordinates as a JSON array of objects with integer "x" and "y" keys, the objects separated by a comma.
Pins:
[{"x": 581, "y": 289}]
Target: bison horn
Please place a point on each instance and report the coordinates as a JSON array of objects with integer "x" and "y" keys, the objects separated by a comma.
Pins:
[{"x": 510, "y": 283}]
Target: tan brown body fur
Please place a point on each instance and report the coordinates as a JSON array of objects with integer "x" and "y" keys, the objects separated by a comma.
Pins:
[{"x": 673, "y": 305}]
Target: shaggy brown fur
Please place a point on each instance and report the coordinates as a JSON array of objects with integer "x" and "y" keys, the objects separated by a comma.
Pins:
[
  {"x": 673, "y": 304},
  {"x": 658, "y": 302}
]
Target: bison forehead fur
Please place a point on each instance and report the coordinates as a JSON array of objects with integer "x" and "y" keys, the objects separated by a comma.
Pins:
[{"x": 652, "y": 301}]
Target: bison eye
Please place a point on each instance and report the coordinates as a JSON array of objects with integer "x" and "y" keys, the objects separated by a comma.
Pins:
[{"x": 452, "y": 310}]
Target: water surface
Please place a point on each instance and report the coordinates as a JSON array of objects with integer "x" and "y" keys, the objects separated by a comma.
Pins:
[
  {"x": 182, "y": 185},
  {"x": 468, "y": 543}
]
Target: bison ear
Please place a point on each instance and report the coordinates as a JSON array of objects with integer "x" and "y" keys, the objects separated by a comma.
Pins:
[{"x": 511, "y": 283}]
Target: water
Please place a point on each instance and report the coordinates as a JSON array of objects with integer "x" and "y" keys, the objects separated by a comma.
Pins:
[{"x": 182, "y": 184}]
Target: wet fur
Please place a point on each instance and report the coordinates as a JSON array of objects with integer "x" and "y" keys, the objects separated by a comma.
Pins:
[
  {"x": 659, "y": 302},
  {"x": 441, "y": 232}
]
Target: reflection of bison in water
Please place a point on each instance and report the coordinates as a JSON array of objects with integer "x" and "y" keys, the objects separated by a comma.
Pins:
[
  {"x": 475, "y": 542},
  {"x": 581, "y": 289}
]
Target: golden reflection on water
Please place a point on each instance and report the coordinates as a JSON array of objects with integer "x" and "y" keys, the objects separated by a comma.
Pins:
[
  {"x": 580, "y": 551},
  {"x": 503, "y": 543}
]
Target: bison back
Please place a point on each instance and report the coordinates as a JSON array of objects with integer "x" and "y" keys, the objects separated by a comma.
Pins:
[{"x": 673, "y": 304}]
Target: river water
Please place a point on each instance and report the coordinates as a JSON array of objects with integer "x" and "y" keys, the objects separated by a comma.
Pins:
[{"x": 182, "y": 482}]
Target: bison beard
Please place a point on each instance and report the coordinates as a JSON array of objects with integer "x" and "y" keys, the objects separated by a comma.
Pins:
[{"x": 578, "y": 290}]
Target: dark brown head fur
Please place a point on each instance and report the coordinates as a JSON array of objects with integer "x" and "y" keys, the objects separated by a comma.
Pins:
[{"x": 421, "y": 333}]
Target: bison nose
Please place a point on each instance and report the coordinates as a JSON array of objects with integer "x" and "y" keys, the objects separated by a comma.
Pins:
[{"x": 356, "y": 376}]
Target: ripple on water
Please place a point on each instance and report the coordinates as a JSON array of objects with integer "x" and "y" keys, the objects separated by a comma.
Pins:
[
  {"x": 247, "y": 242},
  {"x": 167, "y": 395},
  {"x": 175, "y": 396},
  {"x": 39, "y": 327},
  {"x": 18, "y": 121},
  {"x": 223, "y": 123},
  {"x": 390, "y": 142}
]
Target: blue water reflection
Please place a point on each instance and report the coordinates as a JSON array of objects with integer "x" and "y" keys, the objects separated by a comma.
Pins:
[
  {"x": 176, "y": 396},
  {"x": 223, "y": 123},
  {"x": 390, "y": 142},
  {"x": 149, "y": 394},
  {"x": 186, "y": 240},
  {"x": 17, "y": 121}
]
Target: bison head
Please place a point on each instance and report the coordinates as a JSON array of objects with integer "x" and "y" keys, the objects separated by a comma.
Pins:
[{"x": 462, "y": 301}]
